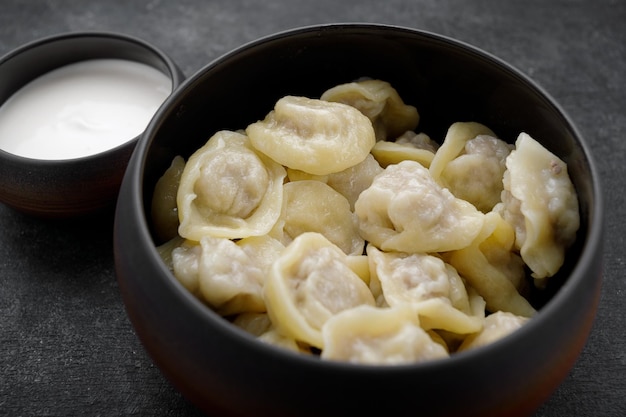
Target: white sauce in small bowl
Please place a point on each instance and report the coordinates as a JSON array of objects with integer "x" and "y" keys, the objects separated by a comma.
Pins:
[{"x": 82, "y": 109}]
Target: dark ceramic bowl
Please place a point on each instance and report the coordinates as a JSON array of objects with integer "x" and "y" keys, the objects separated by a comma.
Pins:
[
  {"x": 226, "y": 372},
  {"x": 69, "y": 187}
]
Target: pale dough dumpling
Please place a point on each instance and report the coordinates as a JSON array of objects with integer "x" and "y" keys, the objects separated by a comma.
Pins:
[
  {"x": 476, "y": 174},
  {"x": 540, "y": 200},
  {"x": 497, "y": 326},
  {"x": 379, "y": 336},
  {"x": 433, "y": 288},
  {"x": 493, "y": 269},
  {"x": 185, "y": 261},
  {"x": 229, "y": 190},
  {"x": 309, "y": 283},
  {"x": 453, "y": 144},
  {"x": 262, "y": 250},
  {"x": 229, "y": 280},
  {"x": 314, "y": 136},
  {"x": 313, "y": 206},
  {"x": 349, "y": 182},
  {"x": 410, "y": 146},
  {"x": 380, "y": 102},
  {"x": 164, "y": 210},
  {"x": 220, "y": 273},
  {"x": 276, "y": 338},
  {"x": 405, "y": 210}
]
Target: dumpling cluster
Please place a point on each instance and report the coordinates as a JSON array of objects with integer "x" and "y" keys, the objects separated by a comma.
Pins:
[{"x": 334, "y": 227}]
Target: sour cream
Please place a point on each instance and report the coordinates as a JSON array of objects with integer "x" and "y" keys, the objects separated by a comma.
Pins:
[{"x": 82, "y": 109}]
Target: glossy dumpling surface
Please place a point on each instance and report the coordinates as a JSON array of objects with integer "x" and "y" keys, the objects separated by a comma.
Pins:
[
  {"x": 540, "y": 200},
  {"x": 230, "y": 281},
  {"x": 352, "y": 181},
  {"x": 184, "y": 262},
  {"x": 433, "y": 288},
  {"x": 476, "y": 174},
  {"x": 313, "y": 206},
  {"x": 349, "y": 183},
  {"x": 457, "y": 136},
  {"x": 405, "y": 210},
  {"x": 230, "y": 190},
  {"x": 314, "y": 136},
  {"x": 379, "y": 336},
  {"x": 497, "y": 326},
  {"x": 491, "y": 265},
  {"x": 309, "y": 283},
  {"x": 380, "y": 102}
]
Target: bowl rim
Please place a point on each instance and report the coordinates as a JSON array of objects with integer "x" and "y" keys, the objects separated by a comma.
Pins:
[
  {"x": 577, "y": 277},
  {"x": 173, "y": 73}
]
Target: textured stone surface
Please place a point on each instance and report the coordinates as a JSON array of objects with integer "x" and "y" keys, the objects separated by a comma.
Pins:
[{"x": 66, "y": 345}]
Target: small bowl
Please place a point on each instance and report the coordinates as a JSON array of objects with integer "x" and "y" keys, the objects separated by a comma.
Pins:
[
  {"x": 223, "y": 370},
  {"x": 85, "y": 184}
]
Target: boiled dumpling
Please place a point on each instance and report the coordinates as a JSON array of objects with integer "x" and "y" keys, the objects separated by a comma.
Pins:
[
  {"x": 262, "y": 250},
  {"x": 379, "y": 336},
  {"x": 539, "y": 199},
  {"x": 380, "y": 102},
  {"x": 417, "y": 140},
  {"x": 493, "y": 269},
  {"x": 229, "y": 280},
  {"x": 309, "y": 283},
  {"x": 410, "y": 146},
  {"x": 164, "y": 210},
  {"x": 219, "y": 272},
  {"x": 476, "y": 174},
  {"x": 185, "y": 262},
  {"x": 229, "y": 190},
  {"x": 349, "y": 182},
  {"x": 453, "y": 144},
  {"x": 276, "y": 338},
  {"x": 314, "y": 136},
  {"x": 352, "y": 181},
  {"x": 408, "y": 278},
  {"x": 432, "y": 287},
  {"x": 405, "y": 210},
  {"x": 497, "y": 326},
  {"x": 313, "y": 206},
  {"x": 436, "y": 314},
  {"x": 359, "y": 264}
]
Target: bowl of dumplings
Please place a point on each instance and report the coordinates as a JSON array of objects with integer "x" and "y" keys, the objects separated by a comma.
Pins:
[{"x": 361, "y": 218}]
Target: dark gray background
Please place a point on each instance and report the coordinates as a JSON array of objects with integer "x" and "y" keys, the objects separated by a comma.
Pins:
[{"x": 66, "y": 345}]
